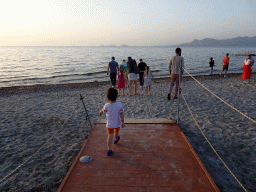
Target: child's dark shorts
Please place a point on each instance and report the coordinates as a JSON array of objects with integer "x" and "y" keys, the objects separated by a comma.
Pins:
[{"x": 225, "y": 67}]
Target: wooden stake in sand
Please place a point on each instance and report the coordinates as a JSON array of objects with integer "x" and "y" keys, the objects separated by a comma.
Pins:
[{"x": 87, "y": 116}]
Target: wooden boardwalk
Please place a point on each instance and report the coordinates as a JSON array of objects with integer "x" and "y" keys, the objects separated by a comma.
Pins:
[{"x": 152, "y": 155}]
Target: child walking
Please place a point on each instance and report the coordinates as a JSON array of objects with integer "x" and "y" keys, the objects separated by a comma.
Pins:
[
  {"x": 114, "y": 116},
  {"x": 147, "y": 79},
  {"x": 121, "y": 81}
]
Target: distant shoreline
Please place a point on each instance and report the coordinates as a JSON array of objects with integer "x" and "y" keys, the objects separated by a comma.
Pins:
[{"x": 38, "y": 87}]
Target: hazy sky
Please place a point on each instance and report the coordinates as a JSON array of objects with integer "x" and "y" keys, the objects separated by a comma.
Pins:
[{"x": 131, "y": 22}]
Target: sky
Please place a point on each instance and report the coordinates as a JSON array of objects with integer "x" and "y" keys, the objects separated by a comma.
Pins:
[{"x": 117, "y": 22}]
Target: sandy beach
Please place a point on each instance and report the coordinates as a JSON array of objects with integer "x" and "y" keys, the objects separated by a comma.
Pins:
[{"x": 31, "y": 115}]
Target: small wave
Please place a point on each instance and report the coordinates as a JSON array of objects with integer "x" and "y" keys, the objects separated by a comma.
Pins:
[
  {"x": 16, "y": 77},
  {"x": 95, "y": 73},
  {"x": 59, "y": 72},
  {"x": 237, "y": 69},
  {"x": 156, "y": 70},
  {"x": 28, "y": 79},
  {"x": 6, "y": 81},
  {"x": 88, "y": 79},
  {"x": 79, "y": 75}
]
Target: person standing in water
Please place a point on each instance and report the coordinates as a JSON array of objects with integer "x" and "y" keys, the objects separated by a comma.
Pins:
[
  {"x": 113, "y": 68},
  {"x": 211, "y": 64},
  {"x": 141, "y": 67},
  {"x": 225, "y": 62}
]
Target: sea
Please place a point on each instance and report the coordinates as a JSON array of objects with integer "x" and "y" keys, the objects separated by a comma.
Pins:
[{"x": 24, "y": 66}]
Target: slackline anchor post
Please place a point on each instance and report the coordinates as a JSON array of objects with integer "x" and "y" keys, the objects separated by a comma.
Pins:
[{"x": 87, "y": 116}]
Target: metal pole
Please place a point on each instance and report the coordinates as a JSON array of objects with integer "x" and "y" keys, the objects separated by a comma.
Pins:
[
  {"x": 178, "y": 99},
  {"x": 87, "y": 116}
]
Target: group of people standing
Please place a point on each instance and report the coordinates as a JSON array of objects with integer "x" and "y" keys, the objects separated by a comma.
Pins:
[
  {"x": 114, "y": 109},
  {"x": 127, "y": 75},
  {"x": 128, "y": 71},
  {"x": 247, "y": 68},
  {"x": 225, "y": 62}
]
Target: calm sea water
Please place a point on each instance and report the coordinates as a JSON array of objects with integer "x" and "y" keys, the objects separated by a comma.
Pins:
[{"x": 58, "y": 65}]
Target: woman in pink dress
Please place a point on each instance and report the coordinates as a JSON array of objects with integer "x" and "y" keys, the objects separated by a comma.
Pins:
[
  {"x": 247, "y": 70},
  {"x": 121, "y": 81}
]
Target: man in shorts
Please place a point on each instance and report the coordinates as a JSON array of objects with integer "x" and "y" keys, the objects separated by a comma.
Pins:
[
  {"x": 225, "y": 62},
  {"x": 141, "y": 67},
  {"x": 132, "y": 67},
  {"x": 113, "y": 67}
]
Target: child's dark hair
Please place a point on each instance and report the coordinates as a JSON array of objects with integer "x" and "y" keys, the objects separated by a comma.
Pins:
[
  {"x": 147, "y": 67},
  {"x": 177, "y": 50},
  {"x": 112, "y": 94},
  {"x": 122, "y": 72}
]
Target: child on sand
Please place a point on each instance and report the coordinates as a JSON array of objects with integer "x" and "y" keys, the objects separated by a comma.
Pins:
[
  {"x": 114, "y": 116},
  {"x": 147, "y": 80},
  {"x": 123, "y": 66},
  {"x": 121, "y": 81}
]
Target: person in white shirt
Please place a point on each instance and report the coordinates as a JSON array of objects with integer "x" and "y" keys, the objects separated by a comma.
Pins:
[
  {"x": 114, "y": 116},
  {"x": 252, "y": 61}
]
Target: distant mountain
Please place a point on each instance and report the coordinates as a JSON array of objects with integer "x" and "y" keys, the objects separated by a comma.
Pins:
[
  {"x": 124, "y": 45},
  {"x": 239, "y": 41},
  {"x": 111, "y": 46}
]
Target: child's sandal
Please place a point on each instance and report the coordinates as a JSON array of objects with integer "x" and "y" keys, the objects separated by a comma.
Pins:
[
  {"x": 116, "y": 141},
  {"x": 109, "y": 152}
]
